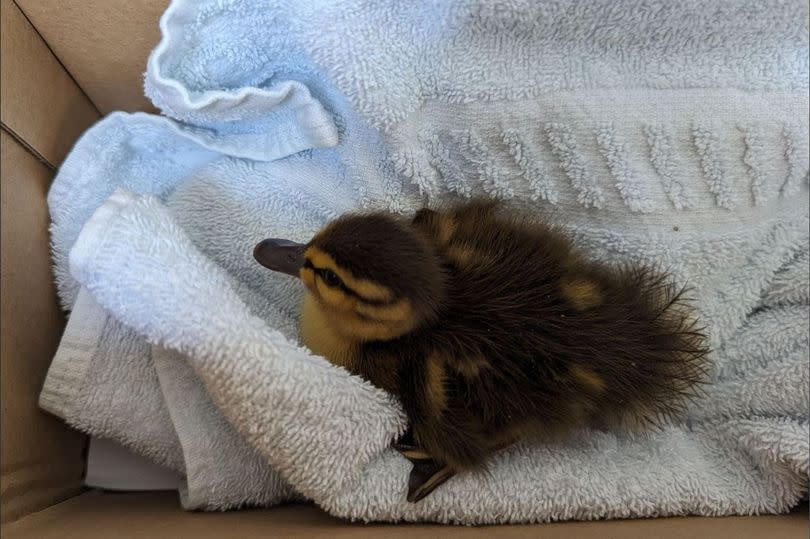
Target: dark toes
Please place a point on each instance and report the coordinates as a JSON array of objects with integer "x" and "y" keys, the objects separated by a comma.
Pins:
[{"x": 426, "y": 476}]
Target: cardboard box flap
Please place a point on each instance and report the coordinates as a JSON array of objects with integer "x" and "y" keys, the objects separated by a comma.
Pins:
[
  {"x": 41, "y": 457},
  {"x": 41, "y": 104},
  {"x": 104, "y": 45}
]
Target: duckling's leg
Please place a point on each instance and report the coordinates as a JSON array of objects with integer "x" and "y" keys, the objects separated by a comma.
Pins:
[
  {"x": 408, "y": 448},
  {"x": 426, "y": 474}
]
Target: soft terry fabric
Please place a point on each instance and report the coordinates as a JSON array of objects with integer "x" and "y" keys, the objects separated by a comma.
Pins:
[{"x": 669, "y": 132}]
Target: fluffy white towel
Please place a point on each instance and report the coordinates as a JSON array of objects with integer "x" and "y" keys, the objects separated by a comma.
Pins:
[{"x": 675, "y": 133}]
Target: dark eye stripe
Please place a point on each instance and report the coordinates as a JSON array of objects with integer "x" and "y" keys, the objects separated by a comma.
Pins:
[
  {"x": 342, "y": 286},
  {"x": 330, "y": 278}
]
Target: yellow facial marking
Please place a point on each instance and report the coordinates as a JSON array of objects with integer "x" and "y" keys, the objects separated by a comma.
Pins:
[
  {"x": 348, "y": 310},
  {"x": 369, "y": 330},
  {"x": 435, "y": 393},
  {"x": 320, "y": 337},
  {"x": 363, "y": 287},
  {"x": 587, "y": 378},
  {"x": 582, "y": 293},
  {"x": 399, "y": 311},
  {"x": 333, "y": 297},
  {"x": 307, "y": 276}
]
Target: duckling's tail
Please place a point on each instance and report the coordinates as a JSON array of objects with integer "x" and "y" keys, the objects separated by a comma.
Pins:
[{"x": 669, "y": 361}]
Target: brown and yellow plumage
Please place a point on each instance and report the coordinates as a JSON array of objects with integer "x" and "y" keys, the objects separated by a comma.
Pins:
[{"x": 489, "y": 328}]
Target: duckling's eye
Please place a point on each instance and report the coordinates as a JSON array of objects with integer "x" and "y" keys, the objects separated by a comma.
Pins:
[{"x": 330, "y": 278}]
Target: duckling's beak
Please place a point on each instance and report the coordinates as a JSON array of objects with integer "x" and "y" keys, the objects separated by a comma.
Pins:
[{"x": 280, "y": 255}]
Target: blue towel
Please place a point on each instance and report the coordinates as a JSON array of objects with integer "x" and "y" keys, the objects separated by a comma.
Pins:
[{"x": 675, "y": 133}]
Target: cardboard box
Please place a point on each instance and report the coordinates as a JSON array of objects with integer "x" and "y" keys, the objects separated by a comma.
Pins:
[{"x": 64, "y": 65}]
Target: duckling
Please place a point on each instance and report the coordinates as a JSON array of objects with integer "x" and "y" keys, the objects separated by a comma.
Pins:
[{"x": 490, "y": 328}]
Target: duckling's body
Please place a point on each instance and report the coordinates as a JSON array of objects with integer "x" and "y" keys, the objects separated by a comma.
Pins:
[{"x": 490, "y": 328}]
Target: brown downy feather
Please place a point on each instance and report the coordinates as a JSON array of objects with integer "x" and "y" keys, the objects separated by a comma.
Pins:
[
  {"x": 490, "y": 327},
  {"x": 534, "y": 339}
]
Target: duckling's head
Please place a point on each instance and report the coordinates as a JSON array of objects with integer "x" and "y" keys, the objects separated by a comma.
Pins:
[{"x": 373, "y": 276}]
